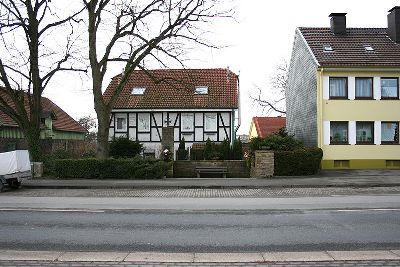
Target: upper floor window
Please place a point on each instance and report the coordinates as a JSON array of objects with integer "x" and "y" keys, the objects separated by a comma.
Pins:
[
  {"x": 337, "y": 87},
  {"x": 138, "y": 91},
  {"x": 364, "y": 88},
  {"x": 201, "y": 90},
  {"x": 339, "y": 132},
  {"x": 390, "y": 132},
  {"x": 390, "y": 88},
  {"x": 364, "y": 132}
]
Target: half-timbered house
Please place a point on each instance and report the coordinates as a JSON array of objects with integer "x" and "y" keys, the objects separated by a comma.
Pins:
[{"x": 198, "y": 103}]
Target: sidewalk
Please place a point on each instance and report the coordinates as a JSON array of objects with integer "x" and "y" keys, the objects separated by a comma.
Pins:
[
  {"x": 360, "y": 178},
  {"x": 162, "y": 257}
]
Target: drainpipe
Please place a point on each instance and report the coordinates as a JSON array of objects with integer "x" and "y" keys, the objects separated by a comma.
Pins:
[
  {"x": 320, "y": 106},
  {"x": 239, "y": 110}
]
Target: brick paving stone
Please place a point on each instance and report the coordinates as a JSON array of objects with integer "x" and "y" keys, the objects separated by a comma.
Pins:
[{"x": 205, "y": 192}]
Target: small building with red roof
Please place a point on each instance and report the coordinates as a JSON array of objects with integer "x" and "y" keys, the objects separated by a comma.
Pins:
[{"x": 264, "y": 126}]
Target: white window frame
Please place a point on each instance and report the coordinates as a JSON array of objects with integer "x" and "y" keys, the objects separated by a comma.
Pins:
[
  {"x": 124, "y": 124},
  {"x": 187, "y": 120},
  {"x": 141, "y": 123},
  {"x": 208, "y": 126}
]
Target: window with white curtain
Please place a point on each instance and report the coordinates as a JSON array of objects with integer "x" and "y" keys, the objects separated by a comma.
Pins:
[
  {"x": 390, "y": 132},
  {"x": 338, "y": 87},
  {"x": 364, "y": 88},
  {"x": 143, "y": 122},
  {"x": 364, "y": 132},
  {"x": 339, "y": 132},
  {"x": 187, "y": 122},
  {"x": 389, "y": 88},
  {"x": 210, "y": 120}
]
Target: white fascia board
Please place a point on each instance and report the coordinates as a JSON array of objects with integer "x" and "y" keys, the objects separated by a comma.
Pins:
[
  {"x": 174, "y": 110},
  {"x": 341, "y": 69},
  {"x": 308, "y": 47}
]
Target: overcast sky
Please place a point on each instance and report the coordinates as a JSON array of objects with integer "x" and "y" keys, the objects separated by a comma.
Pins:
[{"x": 258, "y": 41}]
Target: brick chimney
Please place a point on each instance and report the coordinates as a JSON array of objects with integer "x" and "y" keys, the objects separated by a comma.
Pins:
[
  {"x": 394, "y": 24},
  {"x": 338, "y": 23}
]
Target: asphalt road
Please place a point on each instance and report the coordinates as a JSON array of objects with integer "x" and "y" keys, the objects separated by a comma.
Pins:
[{"x": 201, "y": 225}]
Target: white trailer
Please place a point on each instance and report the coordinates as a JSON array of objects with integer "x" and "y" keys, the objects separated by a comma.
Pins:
[{"x": 15, "y": 167}]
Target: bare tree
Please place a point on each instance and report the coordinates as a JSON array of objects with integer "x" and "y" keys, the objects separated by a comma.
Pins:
[
  {"x": 155, "y": 30},
  {"x": 90, "y": 124},
  {"x": 279, "y": 83},
  {"x": 29, "y": 59}
]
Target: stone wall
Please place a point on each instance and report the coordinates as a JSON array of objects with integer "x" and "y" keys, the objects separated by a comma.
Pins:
[
  {"x": 263, "y": 164},
  {"x": 187, "y": 168}
]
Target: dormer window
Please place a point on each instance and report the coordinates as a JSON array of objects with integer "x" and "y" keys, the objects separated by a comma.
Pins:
[
  {"x": 328, "y": 48},
  {"x": 201, "y": 90},
  {"x": 368, "y": 48},
  {"x": 138, "y": 91}
]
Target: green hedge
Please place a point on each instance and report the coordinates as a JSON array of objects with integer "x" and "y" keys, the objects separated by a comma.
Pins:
[
  {"x": 299, "y": 162},
  {"x": 136, "y": 168}
]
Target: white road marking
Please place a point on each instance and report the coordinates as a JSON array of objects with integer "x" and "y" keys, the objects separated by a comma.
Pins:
[{"x": 52, "y": 210}]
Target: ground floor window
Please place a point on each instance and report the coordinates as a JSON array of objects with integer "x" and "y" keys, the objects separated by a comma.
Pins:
[
  {"x": 364, "y": 132},
  {"x": 339, "y": 132},
  {"x": 390, "y": 132}
]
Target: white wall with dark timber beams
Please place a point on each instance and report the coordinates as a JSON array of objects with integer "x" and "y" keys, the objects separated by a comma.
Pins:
[{"x": 193, "y": 125}]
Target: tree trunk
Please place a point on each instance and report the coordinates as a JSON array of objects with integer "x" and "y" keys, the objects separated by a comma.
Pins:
[
  {"x": 102, "y": 135},
  {"x": 32, "y": 136}
]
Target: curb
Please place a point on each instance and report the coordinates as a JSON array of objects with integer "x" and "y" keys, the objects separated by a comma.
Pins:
[
  {"x": 260, "y": 257},
  {"x": 54, "y": 186}
]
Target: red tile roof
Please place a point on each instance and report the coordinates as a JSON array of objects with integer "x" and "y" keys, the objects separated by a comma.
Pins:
[
  {"x": 174, "y": 88},
  {"x": 268, "y": 125},
  {"x": 349, "y": 48},
  {"x": 62, "y": 121}
]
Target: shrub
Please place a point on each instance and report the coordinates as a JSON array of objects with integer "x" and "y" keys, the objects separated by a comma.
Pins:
[
  {"x": 225, "y": 150},
  {"x": 276, "y": 142},
  {"x": 237, "y": 150},
  {"x": 111, "y": 168},
  {"x": 122, "y": 147},
  {"x": 305, "y": 161},
  {"x": 182, "y": 153},
  {"x": 49, "y": 160},
  {"x": 196, "y": 154},
  {"x": 208, "y": 150}
]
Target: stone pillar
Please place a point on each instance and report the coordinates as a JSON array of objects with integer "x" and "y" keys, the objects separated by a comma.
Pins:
[
  {"x": 167, "y": 140},
  {"x": 263, "y": 164},
  {"x": 37, "y": 169}
]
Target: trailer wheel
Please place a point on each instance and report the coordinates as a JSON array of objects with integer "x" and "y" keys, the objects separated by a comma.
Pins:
[{"x": 14, "y": 184}]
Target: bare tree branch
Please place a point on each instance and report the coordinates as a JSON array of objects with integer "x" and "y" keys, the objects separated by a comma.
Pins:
[{"x": 279, "y": 83}]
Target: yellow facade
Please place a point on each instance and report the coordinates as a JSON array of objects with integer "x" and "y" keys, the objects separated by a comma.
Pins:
[
  {"x": 253, "y": 131},
  {"x": 356, "y": 156}
]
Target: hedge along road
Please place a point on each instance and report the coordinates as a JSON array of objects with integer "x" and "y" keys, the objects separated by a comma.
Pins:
[{"x": 201, "y": 225}]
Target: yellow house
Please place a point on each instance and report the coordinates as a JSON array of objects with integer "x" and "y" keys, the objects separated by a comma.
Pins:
[
  {"x": 264, "y": 126},
  {"x": 343, "y": 93}
]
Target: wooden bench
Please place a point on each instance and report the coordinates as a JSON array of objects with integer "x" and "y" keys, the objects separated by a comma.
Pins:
[{"x": 220, "y": 170}]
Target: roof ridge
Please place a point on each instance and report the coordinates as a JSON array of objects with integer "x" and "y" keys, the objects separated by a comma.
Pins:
[{"x": 182, "y": 69}]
